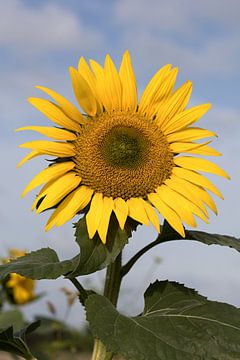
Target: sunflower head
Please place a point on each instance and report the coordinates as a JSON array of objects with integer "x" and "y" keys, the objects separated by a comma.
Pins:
[{"x": 120, "y": 156}]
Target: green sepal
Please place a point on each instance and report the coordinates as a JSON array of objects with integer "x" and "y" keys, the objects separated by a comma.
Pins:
[
  {"x": 94, "y": 255},
  {"x": 176, "y": 323}
]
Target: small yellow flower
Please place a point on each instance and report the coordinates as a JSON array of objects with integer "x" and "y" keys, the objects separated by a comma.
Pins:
[
  {"x": 123, "y": 156},
  {"x": 22, "y": 289}
]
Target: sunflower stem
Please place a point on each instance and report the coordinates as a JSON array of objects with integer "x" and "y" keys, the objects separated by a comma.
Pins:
[
  {"x": 167, "y": 234},
  {"x": 111, "y": 291},
  {"x": 82, "y": 292}
]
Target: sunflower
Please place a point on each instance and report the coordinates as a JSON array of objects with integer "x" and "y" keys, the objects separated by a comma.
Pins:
[
  {"x": 120, "y": 156},
  {"x": 20, "y": 289}
]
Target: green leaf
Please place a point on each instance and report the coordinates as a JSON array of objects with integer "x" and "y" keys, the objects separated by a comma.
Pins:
[
  {"x": 214, "y": 239},
  {"x": 94, "y": 255},
  {"x": 11, "y": 318},
  {"x": 14, "y": 343},
  {"x": 177, "y": 323},
  {"x": 40, "y": 264},
  {"x": 169, "y": 234}
]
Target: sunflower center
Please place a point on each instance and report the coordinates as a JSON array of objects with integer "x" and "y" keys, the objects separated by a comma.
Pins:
[
  {"x": 122, "y": 155},
  {"x": 123, "y": 147}
]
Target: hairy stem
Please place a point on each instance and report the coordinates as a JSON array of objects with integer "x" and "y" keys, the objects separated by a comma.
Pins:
[
  {"x": 82, "y": 292},
  {"x": 111, "y": 291}
]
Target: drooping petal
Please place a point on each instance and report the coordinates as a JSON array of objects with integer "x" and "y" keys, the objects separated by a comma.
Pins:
[
  {"x": 69, "y": 207},
  {"x": 94, "y": 214},
  {"x": 186, "y": 189},
  {"x": 182, "y": 205},
  {"x": 105, "y": 219},
  {"x": 54, "y": 133},
  {"x": 113, "y": 84},
  {"x": 121, "y": 211},
  {"x": 151, "y": 213},
  {"x": 171, "y": 198},
  {"x": 54, "y": 113},
  {"x": 68, "y": 108},
  {"x": 129, "y": 86},
  {"x": 136, "y": 210},
  {"x": 197, "y": 179},
  {"x": 169, "y": 214},
  {"x": 58, "y": 190},
  {"x": 199, "y": 164},
  {"x": 83, "y": 92},
  {"x": 184, "y": 119},
  {"x": 52, "y": 148},
  {"x": 29, "y": 156},
  {"x": 48, "y": 174}
]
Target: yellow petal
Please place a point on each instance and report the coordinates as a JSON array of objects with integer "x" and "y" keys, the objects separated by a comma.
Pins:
[
  {"x": 151, "y": 213},
  {"x": 186, "y": 189},
  {"x": 177, "y": 203},
  {"x": 162, "y": 94},
  {"x": 101, "y": 84},
  {"x": 197, "y": 179},
  {"x": 83, "y": 92},
  {"x": 113, "y": 84},
  {"x": 69, "y": 207},
  {"x": 58, "y": 190},
  {"x": 121, "y": 210},
  {"x": 206, "y": 198},
  {"x": 48, "y": 174},
  {"x": 55, "y": 133},
  {"x": 204, "y": 150},
  {"x": 54, "y": 113},
  {"x": 181, "y": 147},
  {"x": 199, "y": 164},
  {"x": 69, "y": 109},
  {"x": 191, "y": 207},
  {"x": 29, "y": 156},
  {"x": 153, "y": 87},
  {"x": 52, "y": 148},
  {"x": 190, "y": 134},
  {"x": 129, "y": 86},
  {"x": 174, "y": 104},
  {"x": 169, "y": 214},
  {"x": 105, "y": 219},
  {"x": 136, "y": 210},
  {"x": 94, "y": 214},
  {"x": 87, "y": 74},
  {"x": 185, "y": 118}
]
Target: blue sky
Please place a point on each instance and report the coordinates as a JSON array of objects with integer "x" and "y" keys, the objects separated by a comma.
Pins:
[{"x": 39, "y": 40}]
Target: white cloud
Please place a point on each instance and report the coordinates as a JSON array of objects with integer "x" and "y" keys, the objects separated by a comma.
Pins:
[
  {"x": 201, "y": 36},
  {"x": 46, "y": 27}
]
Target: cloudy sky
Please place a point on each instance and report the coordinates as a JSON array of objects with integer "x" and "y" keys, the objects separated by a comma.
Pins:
[{"x": 39, "y": 40}]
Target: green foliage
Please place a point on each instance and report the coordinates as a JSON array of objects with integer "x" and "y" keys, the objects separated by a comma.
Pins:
[
  {"x": 94, "y": 255},
  {"x": 14, "y": 342},
  {"x": 214, "y": 239},
  {"x": 177, "y": 323},
  {"x": 40, "y": 264},
  {"x": 13, "y": 318},
  {"x": 169, "y": 234}
]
